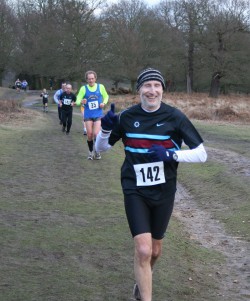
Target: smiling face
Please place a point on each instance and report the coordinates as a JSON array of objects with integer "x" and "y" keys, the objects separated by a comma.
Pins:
[{"x": 151, "y": 95}]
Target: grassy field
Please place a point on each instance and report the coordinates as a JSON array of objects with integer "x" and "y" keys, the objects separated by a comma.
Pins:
[
  {"x": 225, "y": 136},
  {"x": 223, "y": 185},
  {"x": 64, "y": 234}
]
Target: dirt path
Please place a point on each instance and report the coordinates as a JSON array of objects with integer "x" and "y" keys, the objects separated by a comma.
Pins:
[
  {"x": 238, "y": 164},
  {"x": 234, "y": 274}
]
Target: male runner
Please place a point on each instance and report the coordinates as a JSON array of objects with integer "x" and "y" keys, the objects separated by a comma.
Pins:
[
  {"x": 152, "y": 133},
  {"x": 57, "y": 98},
  {"x": 93, "y": 97},
  {"x": 45, "y": 96},
  {"x": 66, "y": 102}
]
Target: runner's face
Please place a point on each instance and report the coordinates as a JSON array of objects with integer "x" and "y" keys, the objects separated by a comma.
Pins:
[
  {"x": 91, "y": 79},
  {"x": 68, "y": 89},
  {"x": 151, "y": 95}
]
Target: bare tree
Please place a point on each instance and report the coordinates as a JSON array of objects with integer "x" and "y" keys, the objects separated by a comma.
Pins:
[
  {"x": 59, "y": 38},
  {"x": 132, "y": 36},
  {"x": 189, "y": 41},
  {"x": 36, "y": 40},
  {"x": 186, "y": 18},
  {"x": 82, "y": 41},
  {"x": 228, "y": 22},
  {"x": 7, "y": 36}
]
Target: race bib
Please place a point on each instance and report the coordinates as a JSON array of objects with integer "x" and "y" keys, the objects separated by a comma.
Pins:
[
  {"x": 93, "y": 105},
  {"x": 149, "y": 174},
  {"x": 67, "y": 101}
]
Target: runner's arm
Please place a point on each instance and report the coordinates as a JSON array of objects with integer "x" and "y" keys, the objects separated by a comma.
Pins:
[
  {"x": 102, "y": 142},
  {"x": 104, "y": 94},
  {"x": 56, "y": 97},
  {"x": 195, "y": 155},
  {"x": 80, "y": 95}
]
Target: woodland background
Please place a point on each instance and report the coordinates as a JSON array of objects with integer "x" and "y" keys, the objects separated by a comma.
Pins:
[{"x": 199, "y": 45}]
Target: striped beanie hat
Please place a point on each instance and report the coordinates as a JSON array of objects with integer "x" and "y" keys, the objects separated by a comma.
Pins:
[{"x": 149, "y": 74}]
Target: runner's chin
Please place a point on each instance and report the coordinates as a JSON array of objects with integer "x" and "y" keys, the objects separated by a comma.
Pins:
[{"x": 150, "y": 104}]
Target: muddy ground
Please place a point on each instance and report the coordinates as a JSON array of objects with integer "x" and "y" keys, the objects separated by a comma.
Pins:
[{"x": 232, "y": 276}]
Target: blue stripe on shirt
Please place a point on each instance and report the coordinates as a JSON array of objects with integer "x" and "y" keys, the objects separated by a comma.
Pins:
[
  {"x": 141, "y": 150},
  {"x": 146, "y": 136}
]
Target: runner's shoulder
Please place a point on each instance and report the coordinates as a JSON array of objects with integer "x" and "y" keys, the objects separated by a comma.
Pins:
[{"x": 175, "y": 112}]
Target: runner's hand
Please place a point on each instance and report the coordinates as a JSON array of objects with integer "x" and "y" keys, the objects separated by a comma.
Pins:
[
  {"x": 159, "y": 153},
  {"x": 110, "y": 119}
]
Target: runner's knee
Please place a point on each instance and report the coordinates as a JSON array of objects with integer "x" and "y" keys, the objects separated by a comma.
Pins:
[
  {"x": 144, "y": 253},
  {"x": 143, "y": 249},
  {"x": 156, "y": 252}
]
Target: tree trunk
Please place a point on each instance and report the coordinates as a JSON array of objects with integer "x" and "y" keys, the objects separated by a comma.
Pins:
[
  {"x": 1, "y": 77},
  {"x": 191, "y": 46},
  {"x": 189, "y": 86},
  {"x": 190, "y": 75},
  {"x": 37, "y": 82},
  {"x": 215, "y": 85},
  {"x": 132, "y": 82}
]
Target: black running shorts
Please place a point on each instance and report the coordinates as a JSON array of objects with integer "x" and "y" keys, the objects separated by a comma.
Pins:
[
  {"x": 147, "y": 215},
  {"x": 92, "y": 119}
]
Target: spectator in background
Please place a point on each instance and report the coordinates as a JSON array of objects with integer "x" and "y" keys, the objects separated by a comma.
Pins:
[
  {"x": 50, "y": 84},
  {"x": 24, "y": 85},
  {"x": 57, "y": 98}
]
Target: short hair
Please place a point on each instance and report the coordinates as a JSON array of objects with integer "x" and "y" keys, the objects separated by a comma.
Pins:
[{"x": 90, "y": 72}]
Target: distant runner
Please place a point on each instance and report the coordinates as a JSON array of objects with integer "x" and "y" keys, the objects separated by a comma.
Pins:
[
  {"x": 66, "y": 102},
  {"x": 18, "y": 85},
  {"x": 93, "y": 97},
  {"x": 45, "y": 97},
  {"x": 56, "y": 100}
]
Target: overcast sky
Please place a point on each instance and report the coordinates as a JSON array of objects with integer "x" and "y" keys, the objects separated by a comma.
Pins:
[
  {"x": 149, "y": 2},
  {"x": 152, "y": 2}
]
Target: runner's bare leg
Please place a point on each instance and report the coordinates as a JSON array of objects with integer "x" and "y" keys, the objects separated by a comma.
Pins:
[
  {"x": 142, "y": 265},
  {"x": 147, "y": 251}
]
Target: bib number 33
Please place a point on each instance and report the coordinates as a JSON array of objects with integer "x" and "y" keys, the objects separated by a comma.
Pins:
[
  {"x": 93, "y": 105},
  {"x": 149, "y": 174}
]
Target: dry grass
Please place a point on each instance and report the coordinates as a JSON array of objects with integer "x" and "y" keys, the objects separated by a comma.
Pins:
[
  {"x": 9, "y": 106},
  {"x": 11, "y": 111},
  {"x": 233, "y": 108}
]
